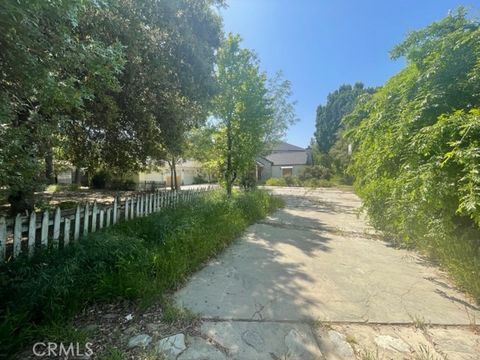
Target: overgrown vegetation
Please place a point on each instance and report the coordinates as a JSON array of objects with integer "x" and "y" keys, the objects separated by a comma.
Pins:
[
  {"x": 311, "y": 176},
  {"x": 140, "y": 259},
  {"x": 417, "y": 140}
]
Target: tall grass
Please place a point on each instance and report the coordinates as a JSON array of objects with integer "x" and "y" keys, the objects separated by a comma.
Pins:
[{"x": 140, "y": 259}]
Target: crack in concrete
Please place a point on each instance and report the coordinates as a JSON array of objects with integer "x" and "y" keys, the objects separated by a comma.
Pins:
[
  {"x": 259, "y": 308},
  {"x": 337, "y": 322}
]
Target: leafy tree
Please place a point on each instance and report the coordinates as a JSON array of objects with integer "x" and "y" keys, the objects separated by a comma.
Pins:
[
  {"x": 329, "y": 116},
  {"x": 250, "y": 113},
  {"x": 110, "y": 84},
  {"x": 47, "y": 70},
  {"x": 280, "y": 93},
  {"x": 200, "y": 145},
  {"x": 166, "y": 84},
  {"x": 242, "y": 108}
]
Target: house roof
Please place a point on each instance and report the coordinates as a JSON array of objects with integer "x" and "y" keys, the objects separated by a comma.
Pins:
[
  {"x": 283, "y": 146},
  {"x": 295, "y": 157}
]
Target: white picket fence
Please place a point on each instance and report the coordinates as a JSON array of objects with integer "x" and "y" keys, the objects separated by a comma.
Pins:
[{"x": 27, "y": 234}]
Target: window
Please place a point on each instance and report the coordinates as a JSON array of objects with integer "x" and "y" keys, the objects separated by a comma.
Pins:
[{"x": 286, "y": 171}]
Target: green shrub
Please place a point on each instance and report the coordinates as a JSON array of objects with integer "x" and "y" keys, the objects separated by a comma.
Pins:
[
  {"x": 248, "y": 181},
  {"x": 293, "y": 181},
  {"x": 73, "y": 187},
  {"x": 120, "y": 184},
  {"x": 139, "y": 259},
  {"x": 276, "y": 182},
  {"x": 316, "y": 183},
  {"x": 101, "y": 179},
  {"x": 199, "y": 179},
  {"x": 315, "y": 172}
]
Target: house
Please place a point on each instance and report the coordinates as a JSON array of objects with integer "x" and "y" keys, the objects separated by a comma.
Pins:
[
  {"x": 188, "y": 171},
  {"x": 283, "y": 160}
]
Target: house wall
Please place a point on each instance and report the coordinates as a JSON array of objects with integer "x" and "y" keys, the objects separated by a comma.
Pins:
[
  {"x": 185, "y": 174},
  {"x": 65, "y": 177},
  {"x": 296, "y": 170},
  {"x": 151, "y": 176},
  {"x": 266, "y": 170}
]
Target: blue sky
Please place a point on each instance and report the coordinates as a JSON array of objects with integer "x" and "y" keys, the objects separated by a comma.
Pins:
[{"x": 321, "y": 44}]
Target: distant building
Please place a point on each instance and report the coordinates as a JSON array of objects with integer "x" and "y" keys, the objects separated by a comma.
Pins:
[
  {"x": 282, "y": 161},
  {"x": 188, "y": 171}
]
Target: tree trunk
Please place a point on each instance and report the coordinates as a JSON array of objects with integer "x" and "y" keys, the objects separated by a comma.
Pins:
[
  {"x": 49, "y": 175},
  {"x": 77, "y": 176},
  {"x": 229, "y": 173},
  {"x": 175, "y": 173},
  {"x": 172, "y": 186}
]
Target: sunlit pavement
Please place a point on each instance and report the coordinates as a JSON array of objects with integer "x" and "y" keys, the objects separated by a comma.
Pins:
[{"x": 315, "y": 281}]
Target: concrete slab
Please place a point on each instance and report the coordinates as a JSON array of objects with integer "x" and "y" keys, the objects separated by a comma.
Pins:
[
  {"x": 380, "y": 342},
  {"x": 318, "y": 259},
  {"x": 456, "y": 343},
  {"x": 247, "y": 340}
]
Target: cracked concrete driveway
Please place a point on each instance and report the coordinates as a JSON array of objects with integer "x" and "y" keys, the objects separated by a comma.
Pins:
[{"x": 314, "y": 281}]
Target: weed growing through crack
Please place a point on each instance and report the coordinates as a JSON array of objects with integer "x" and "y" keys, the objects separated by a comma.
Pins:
[
  {"x": 366, "y": 354},
  {"x": 419, "y": 322},
  {"x": 424, "y": 353},
  {"x": 321, "y": 324},
  {"x": 351, "y": 340},
  {"x": 173, "y": 313}
]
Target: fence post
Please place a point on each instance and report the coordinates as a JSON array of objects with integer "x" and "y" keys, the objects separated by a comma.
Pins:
[
  {"x": 94, "y": 216},
  {"x": 141, "y": 198},
  {"x": 132, "y": 210},
  {"x": 56, "y": 227},
  {"x": 66, "y": 232},
  {"x": 155, "y": 201},
  {"x": 115, "y": 210},
  {"x": 17, "y": 235},
  {"x": 152, "y": 198},
  {"x": 76, "y": 233},
  {"x": 126, "y": 208},
  {"x": 44, "y": 231},
  {"x": 85, "y": 219},
  {"x": 32, "y": 232},
  {"x": 3, "y": 238},
  {"x": 137, "y": 206},
  {"x": 102, "y": 215},
  {"x": 109, "y": 217}
]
